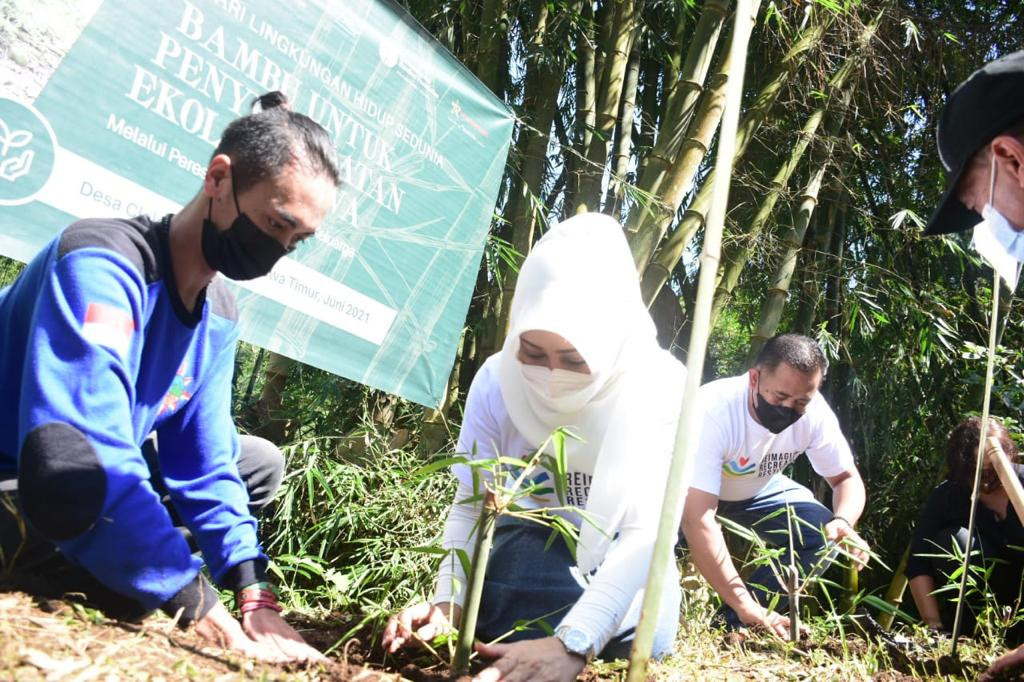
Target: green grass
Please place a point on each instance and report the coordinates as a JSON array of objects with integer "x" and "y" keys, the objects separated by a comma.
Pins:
[{"x": 343, "y": 534}]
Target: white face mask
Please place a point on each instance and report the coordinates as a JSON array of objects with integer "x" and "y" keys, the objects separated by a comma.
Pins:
[
  {"x": 555, "y": 386},
  {"x": 997, "y": 240}
]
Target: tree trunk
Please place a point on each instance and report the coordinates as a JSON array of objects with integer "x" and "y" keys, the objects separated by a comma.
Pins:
[
  {"x": 656, "y": 272},
  {"x": 737, "y": 260},
  {"x": 612, "y": 72},
  {"x": 682, "y": 93},
  {"x": 271, "y": 423}
]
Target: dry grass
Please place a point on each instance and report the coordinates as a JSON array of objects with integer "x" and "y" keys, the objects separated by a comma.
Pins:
[{"x": 55, "y": 640}]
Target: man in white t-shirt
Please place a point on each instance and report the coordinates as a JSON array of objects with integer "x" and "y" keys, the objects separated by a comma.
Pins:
[{"x": 755, "y": 425}]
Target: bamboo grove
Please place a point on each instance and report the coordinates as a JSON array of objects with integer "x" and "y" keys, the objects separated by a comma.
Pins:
[{"x": 618, "y": 105}]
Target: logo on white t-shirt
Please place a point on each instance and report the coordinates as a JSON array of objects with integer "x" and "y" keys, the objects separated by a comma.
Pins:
[{"x": 741, "y": 465}]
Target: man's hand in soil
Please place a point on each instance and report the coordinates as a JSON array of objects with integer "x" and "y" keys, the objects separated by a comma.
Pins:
[
  {"x": 1004, "y": 663},
  {"x": 218, "y": 627},
  {"x": 534, "y": 660},
  {"x": 420, "y": 623},
  {"x": 839, "y": 530},
  {"x": 271, "y": 633}
]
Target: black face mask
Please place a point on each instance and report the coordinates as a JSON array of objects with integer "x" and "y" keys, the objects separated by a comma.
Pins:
[
  {"x": 775, "y": 418},
  {"x": 243, "y": 251}
]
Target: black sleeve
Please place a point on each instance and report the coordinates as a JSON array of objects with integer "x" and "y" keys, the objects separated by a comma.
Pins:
[{"x": 935, "y": 516}]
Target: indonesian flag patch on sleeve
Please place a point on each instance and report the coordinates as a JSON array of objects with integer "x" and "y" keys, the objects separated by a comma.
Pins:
[{"x": 108, "y": 325}]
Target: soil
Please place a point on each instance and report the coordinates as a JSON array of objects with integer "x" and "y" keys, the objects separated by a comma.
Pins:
[
  {"x": 44, "y": 639},
  {"x": 60, "y": 640}
]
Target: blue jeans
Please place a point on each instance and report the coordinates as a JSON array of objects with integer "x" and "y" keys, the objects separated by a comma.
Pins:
[
  {"x": 808, "y": 540},
  {"x": 527, "y": 582}
]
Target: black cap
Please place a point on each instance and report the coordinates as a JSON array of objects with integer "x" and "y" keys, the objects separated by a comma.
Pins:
[{"x": 985, "y": 105}]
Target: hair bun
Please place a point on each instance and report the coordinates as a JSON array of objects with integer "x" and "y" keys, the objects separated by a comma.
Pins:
[{"x": 271, "y": 100}]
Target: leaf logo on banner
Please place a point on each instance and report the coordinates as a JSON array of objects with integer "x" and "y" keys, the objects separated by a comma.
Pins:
[{"x": 13, "y": 168}]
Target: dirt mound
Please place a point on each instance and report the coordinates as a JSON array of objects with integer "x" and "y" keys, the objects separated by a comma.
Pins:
[{"x": 56, "y": 640}]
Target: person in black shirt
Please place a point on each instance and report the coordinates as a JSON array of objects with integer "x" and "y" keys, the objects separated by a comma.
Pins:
[{"x": 943, "y": 522}]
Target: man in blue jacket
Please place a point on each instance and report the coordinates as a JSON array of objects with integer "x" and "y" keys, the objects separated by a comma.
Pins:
[{"x": 120, "y": 328}]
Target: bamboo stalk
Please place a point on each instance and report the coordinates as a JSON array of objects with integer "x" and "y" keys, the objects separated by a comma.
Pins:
[
  {"x": 778, "y": 289},
  {"x": 586, "y": 107},
  {"x": 1007, "y": 476},
  {"x": 624, "y": 25},
  {"x": 737, "y": 260},
  {"x": 490, "y": 39},
  {"x": 980, "y": 461},
  {"x": 540, "y": 104},
  {"x": 475, "y": 584},
  {"x": 894, "y": 595},
  {"x": 810, "y": 288},
  {"x": 688, "y": 429},
  {"x": 624, "y": 134},
  {"x": 681, "y": 98},
  {"x": 660, "y": 265}
]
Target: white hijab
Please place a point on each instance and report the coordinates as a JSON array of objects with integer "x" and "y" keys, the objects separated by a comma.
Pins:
[{"x": 579, "y": 282}]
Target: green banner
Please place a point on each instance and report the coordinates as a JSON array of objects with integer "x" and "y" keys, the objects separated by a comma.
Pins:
[{"x": 127, "y": 122}]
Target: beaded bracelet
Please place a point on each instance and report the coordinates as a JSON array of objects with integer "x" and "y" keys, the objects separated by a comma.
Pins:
[
  {"x": 256, "y": 596},
  {"x": 837, "y": 517}
]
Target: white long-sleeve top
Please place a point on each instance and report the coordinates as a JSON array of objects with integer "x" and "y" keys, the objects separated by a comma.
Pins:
[{"x": 611, "y": 599}]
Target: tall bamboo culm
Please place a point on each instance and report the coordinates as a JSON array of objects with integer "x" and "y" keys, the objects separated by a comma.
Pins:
[
  {"x": 689, "y": 425},
  {"x": 661, "y": 264}
]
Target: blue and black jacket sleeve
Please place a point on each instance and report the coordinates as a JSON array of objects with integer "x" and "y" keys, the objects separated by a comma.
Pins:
[{"x": 83, "y": 481}]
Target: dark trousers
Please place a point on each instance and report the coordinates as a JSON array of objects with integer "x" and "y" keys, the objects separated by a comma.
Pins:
[
  {"x": 31, "y": 563},
  {"x": 765, "y": 514},
  {"x": 529, "y": 581},
  {"x": 1003, "y": 583}
]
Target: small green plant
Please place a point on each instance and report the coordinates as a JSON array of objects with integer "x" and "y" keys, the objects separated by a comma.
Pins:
[
  {"x": 787, "y": 575},
  {"x": 500, "y": 499},
  {"x": 338, "y": 531},
  {"x": 993, "y": 620}
]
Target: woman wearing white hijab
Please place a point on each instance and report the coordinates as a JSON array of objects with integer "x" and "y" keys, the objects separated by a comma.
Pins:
[{"x": 581, "y": 353}]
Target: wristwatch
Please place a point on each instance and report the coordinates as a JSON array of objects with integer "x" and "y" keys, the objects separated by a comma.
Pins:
[{"x": 576, "y": 641}]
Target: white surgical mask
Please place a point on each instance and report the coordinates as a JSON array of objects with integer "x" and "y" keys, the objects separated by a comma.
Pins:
[
  {"x": 558, "y": 388},
  {"x": 997, "y": 241}
]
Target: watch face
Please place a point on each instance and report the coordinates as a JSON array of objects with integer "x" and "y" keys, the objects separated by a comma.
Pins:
[{"x": 576, "y": 641}]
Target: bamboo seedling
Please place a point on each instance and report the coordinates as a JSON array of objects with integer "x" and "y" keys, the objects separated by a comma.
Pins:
[
  {"x": 786, "y": 572},
  {"x": 794, "y": 585},
  {"x": 497, "y": 500}
]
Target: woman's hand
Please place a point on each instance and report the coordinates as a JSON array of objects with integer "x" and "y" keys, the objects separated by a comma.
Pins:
[
  {"x": 420, "y": 623},
  {"x": 219, "y": 628},
  {"x": 773, "y": 622},
  {"x": 534, "y": 660}
]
